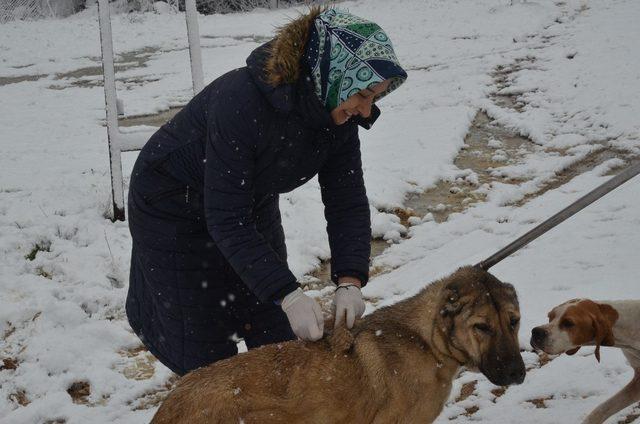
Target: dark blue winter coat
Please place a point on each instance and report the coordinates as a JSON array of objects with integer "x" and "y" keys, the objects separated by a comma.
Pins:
[
  {"x": 203, "y": 208},
  {"x": 239, "y": 144}
]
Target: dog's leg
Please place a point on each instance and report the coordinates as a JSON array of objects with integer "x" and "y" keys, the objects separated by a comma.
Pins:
[{"x": 625, "y": 397}]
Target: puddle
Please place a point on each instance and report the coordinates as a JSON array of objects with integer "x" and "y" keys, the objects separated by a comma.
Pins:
[{"x": 486, "y": 146}]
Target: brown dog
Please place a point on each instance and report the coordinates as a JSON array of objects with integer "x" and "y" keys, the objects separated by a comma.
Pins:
[
  {"x": 583, "y": 322},
  {"x": 395, "y": 366}
]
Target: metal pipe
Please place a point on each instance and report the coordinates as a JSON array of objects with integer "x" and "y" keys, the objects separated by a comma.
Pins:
[{"x": 559, "y": 217}]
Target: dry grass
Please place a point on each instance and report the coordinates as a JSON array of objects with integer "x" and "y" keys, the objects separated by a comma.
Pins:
[
  {"x": 467, "y": 390},
  {"x": 9, "y": 364},
  {"x": 540, "y": 402},
  {"x": 20, "y": 397},
  {"x": 79, "y": 392}
]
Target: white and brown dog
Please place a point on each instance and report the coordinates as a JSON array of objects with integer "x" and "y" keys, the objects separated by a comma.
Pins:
[{"x": 583, "y": 322}]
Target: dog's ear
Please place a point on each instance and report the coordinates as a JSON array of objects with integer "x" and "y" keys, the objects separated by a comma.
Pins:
[
  {"x": 573, "y": 351},
  {"x": 609, "y": 313},
  {"x": 602, "y": 319},
  {"x": 603, "y": 328},
  {"x": 452, "y": 303}
]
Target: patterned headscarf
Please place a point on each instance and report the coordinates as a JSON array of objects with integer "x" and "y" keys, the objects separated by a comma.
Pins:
[{"x": 347, "y": 54}]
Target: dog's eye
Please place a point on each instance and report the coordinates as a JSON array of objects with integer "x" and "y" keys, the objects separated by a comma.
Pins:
[
  {"x": 514, "y": 322},
  {"x": 566, "y": 323},
  {"x": 483, "y": 328}
]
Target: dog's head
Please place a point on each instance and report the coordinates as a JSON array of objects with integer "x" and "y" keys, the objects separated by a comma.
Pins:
[
  {"x": 481, "y": 317},
  {"x": 573, "y": 324}
]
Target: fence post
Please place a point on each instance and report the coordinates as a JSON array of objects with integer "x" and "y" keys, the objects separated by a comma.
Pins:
[
  {"x": 132, "y": 141},
  {"x": 108, "y": 69},
  {"x": 195, "y": 55}
]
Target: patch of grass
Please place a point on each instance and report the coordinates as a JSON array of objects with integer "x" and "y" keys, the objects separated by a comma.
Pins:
[
  {"x": 42, "y": 246},
  {"x": 42, "y": 273},
  {"x": 154, "y": 397},
  {"x": 471, "y": 410},
  {"x": 497, "y": 392},
  {"x": 9, "y": 331},
  {"x": 9, "y": 364},
  {"x": 20, "y": 397},
  {"x": 540, "y": 402},
  {"x": 79, "y": 391},
  {"x": 630, "y": 418},
  {"x": 467, "y": 390}
]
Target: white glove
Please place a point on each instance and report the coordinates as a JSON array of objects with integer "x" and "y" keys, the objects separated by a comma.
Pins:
[
  {"x": 304, "y": 314},
  {"x": 348, "y": 303}
]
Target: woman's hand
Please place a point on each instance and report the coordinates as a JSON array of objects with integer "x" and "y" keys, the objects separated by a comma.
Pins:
[
  {"x": 348, "y": 302},
  {"x": 304, "y": 314}
]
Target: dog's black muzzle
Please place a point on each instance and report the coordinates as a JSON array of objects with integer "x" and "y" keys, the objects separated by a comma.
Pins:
[{"x": 504, "y": 371}]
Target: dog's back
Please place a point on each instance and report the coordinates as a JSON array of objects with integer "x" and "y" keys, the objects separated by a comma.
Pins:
[{"x": 273, "y": 382}]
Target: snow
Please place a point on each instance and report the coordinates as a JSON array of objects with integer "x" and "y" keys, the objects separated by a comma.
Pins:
[{"x": 573, "y": 66}]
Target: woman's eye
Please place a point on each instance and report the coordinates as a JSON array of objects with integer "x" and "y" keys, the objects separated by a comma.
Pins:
[{"x": 483, "y": 328}]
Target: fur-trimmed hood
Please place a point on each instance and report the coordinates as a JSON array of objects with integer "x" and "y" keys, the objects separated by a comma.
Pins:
[
  {"x": 287, "y": 48},
  {"x": 276, "y": 68}
]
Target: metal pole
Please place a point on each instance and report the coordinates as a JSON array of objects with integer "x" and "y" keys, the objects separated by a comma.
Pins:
[
  {"x": 556, "y": 219},
  {"x": 108, "y": 70},
  {"x": 193, "y": 34}
]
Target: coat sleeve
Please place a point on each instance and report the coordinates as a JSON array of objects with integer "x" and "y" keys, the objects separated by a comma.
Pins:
[
  {"x": 229, "y": 202},
  {"x": 346, "y": 209}
]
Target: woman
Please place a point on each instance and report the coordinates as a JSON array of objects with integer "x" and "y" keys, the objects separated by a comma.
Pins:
[{"x": 208, "y": 263}]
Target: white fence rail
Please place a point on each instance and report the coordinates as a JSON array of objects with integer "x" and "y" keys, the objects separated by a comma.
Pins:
[{"x": 134, "y": 140}]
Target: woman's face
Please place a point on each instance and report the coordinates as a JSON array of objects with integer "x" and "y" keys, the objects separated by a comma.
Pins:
[{"x": 358, "y": 104}]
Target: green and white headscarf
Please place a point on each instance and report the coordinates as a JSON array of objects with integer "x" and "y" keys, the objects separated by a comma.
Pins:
[{"x": 347, "y": 54}]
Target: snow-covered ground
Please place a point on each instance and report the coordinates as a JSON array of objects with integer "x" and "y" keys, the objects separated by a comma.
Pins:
[{"x": 63, "y": 266}]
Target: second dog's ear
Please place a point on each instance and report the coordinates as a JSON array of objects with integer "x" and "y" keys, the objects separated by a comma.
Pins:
[
  {"x": 603, "y": 319},
  {"x": 573, "y": 351},
  {"x": 604, "y": 334}
]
